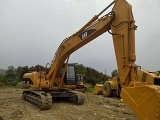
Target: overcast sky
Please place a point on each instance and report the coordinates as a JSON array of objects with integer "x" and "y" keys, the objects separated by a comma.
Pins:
[{"x": 31, "y": 31}]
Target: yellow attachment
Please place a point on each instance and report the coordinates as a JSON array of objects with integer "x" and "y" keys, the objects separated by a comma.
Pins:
[
  {"x": 97, "y": 89},
  {"x": 144, "y": 100}
]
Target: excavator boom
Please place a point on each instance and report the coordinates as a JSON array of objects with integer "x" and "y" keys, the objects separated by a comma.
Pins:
[{"x": 94, "y": 28}]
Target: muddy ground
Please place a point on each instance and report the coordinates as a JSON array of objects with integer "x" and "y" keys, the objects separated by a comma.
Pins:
[{"x": 96, "y": 107}]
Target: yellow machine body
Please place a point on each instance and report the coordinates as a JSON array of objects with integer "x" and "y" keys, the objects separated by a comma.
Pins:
[
  {"x": 152, "y": 78},
  {"x": 149, "y": 77},
  {"x": 80, "y": 86}
]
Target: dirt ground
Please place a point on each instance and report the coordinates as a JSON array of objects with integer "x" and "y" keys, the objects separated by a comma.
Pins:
[{"x": 96, "y": 107}]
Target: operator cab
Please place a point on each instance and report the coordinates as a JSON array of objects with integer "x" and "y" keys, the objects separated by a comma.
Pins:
[{"x": 70, "y": 76}]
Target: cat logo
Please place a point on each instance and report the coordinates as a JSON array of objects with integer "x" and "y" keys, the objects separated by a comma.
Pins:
[{"x": 86, "y": 33}]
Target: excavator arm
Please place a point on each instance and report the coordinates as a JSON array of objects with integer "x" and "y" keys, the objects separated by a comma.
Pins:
[
  {"x": 123, "y": 33},
  {"x": 143, "y": 99}
]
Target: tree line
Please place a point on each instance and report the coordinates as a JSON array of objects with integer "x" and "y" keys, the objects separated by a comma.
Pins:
[
  {"x": 90, "y": 74},
  {"x": 14, "y": 75}
]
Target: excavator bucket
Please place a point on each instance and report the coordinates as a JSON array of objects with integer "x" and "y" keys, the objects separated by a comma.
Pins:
[
  {"x": 144, "y": 100},
  {"x": 97, "y": 89}
]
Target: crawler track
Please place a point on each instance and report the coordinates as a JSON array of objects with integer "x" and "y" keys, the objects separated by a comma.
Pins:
[
  {"x": 80, "y": 97},
  {"x": 41, "y": 99}
]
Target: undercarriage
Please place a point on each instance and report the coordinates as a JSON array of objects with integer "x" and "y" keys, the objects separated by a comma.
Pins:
[{"x": 43, "y": 99}]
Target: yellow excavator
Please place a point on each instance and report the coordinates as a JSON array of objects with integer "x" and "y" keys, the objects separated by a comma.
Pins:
[
  {"x": 80, "y": 86},
  {"x": 142, "y": 98}
]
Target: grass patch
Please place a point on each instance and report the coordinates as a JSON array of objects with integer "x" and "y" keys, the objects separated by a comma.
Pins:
[
  {"x": 90, "y": 89},
  {"x": 19, "y": 86},
  {"x": 2, "y": 84}
]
